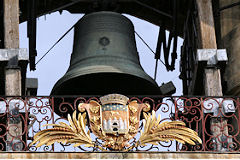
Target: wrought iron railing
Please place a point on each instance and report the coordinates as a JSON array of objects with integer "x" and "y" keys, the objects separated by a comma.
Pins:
[{"x": 215, "y": 119}]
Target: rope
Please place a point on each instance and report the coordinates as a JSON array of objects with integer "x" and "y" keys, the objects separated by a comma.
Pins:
[
  {"x": 56, "y": 43},
  {"x": 148, "y": 46}
]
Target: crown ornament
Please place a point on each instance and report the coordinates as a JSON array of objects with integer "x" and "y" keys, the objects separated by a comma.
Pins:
[{"x": 114, "y": 98}]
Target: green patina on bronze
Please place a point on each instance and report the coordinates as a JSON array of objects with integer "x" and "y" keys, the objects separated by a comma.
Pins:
[{"x": 105, "y": 59}]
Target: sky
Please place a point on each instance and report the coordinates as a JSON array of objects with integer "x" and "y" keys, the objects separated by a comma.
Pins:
[{"x": 52, "y": 67}]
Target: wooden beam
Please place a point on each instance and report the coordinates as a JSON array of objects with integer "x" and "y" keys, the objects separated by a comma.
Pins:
[
  {"x": 13, "y": 82},
  {"x": 206, "y": 20},
  {"x": 212, "y": 82},
  {"x": 11, "y": 24},
  {"x": 208, "y": 41},
  {"x": 14, "y": 123},
  {"x": 212, "y": 76},
  {"x": 13, "y": 79}
]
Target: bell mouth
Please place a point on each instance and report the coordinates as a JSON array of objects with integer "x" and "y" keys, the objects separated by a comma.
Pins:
[{"x": 105, "y": 83}]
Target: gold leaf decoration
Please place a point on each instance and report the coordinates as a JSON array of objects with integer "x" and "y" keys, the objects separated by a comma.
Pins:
[
  {"x": 166, "y": 131},
  {"x": 94, "y": 119},
  {"x": 147, "y": 108},
  {"x": 113, "y": 113},
  {"x": 80, "y": 108},
  {"x": 94, "y": 109},
  {"x": 95, "y": 106},
  {"x": 133, "y": 120},
  {"x": 127, "y": 136},
  {"x": 132, "y": 109},
  {"x": 132, "y": 130},
  {"x": 62, "y": 132}
]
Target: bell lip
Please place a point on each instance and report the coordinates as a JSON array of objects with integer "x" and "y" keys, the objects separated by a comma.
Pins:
[{"x": 66, "y": 78}]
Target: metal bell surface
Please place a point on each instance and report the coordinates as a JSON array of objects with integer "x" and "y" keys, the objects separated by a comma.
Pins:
[{"x": 105, "y": 59}]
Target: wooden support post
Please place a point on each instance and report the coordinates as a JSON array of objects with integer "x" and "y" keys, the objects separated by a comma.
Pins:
[
  {"x": 206, "y": 21},
  {"x": 212, "y": 82},
  {"x": 13, "y": 87},
  {"x": 11, "y": 23},
  {"x": 13, "y": 77},
  {"x": 212, "y": 76},
  {"x": 12, "y": 74}
]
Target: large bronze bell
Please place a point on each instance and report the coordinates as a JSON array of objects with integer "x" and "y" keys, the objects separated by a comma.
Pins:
[{"x": 105, "y": 59}]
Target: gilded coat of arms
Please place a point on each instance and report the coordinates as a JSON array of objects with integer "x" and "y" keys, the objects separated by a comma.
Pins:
[{"x": 115, "y": 121}]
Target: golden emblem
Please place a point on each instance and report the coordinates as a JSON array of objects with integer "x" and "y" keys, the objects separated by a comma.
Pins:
[{"x": 115, "y": 121}]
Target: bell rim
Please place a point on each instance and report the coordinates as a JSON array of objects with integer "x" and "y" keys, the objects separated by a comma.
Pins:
[{"x": 102, "y": 70}]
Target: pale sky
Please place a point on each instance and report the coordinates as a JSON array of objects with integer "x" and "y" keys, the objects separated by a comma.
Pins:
[{"x": 56, "y": 63}]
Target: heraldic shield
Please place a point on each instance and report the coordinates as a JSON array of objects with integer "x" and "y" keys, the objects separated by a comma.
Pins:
[
  {"x": 115, "y": 114},
  {"x": 115, "y": 120}
]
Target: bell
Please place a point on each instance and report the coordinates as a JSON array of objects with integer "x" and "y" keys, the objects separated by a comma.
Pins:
[{"x": 105, "y": 59}]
